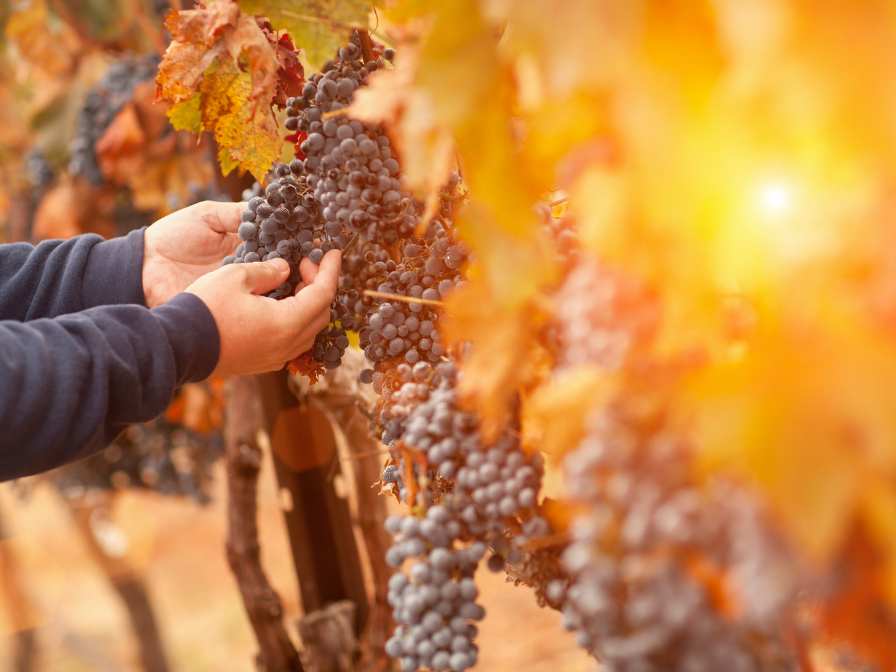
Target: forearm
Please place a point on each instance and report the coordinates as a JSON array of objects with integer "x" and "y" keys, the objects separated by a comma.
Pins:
[
  {"x": 70, "y": 384},
  {"x": 58, "y": 277}
]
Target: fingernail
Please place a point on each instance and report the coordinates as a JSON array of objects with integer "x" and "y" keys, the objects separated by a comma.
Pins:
[{"x": 280, "y": 263}]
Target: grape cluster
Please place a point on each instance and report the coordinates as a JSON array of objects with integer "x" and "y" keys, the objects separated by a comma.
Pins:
[
  {"x": 351, "y": 166},
  {"x": 631, "y": 595},
  {"x": 601, "y": 317},
  {"x": 474, "y": 494},
  {"x": 161, "y": 456},
  {"x": 40, "y": 172},
  {"x": 408, "y": 331},
  {"x": 102, "y": 103},
  {"x": 281, "y": 222},
  {"x": 362, "y": 268},
  {"x": 435, "y": 603}
]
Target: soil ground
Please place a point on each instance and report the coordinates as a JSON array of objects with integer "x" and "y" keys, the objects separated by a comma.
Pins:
[{"x": 179, "y": 549}]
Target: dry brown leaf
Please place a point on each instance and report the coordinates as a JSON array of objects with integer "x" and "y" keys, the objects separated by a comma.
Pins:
[{"x": 215, "y": 31}]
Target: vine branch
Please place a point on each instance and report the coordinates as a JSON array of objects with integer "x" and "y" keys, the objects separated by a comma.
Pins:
[{"x": 276, "y": 651}]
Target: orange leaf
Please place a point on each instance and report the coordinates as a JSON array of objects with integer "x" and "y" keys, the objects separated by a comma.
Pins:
[
  {"x": 120, "y": 149},
  {"x": 572, "y": 395},
  {"x": 499, "y": 363},
  {"x": 217, "y": 31},
  {"x": 61, "y": 211}
]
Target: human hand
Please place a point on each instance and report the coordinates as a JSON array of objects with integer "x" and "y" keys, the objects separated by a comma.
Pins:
[
  {"x": 260, "y": 334},
  {"x": 185, "y": 245}
]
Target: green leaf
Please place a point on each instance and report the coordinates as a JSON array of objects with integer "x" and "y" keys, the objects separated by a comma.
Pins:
[
  {"x": 187, "y": 115},
  {"x": 318, "y": 27}
]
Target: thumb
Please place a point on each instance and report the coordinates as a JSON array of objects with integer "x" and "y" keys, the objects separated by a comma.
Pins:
[{"x": 264, "y": 276}]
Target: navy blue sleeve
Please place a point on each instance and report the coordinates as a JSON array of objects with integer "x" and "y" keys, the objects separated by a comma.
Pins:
[
  {"x": 57, "y": 277},
  {"x": 68, "y": 385}
]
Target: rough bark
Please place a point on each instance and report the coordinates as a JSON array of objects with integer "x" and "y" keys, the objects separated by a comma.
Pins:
[
  {"x": 329, "y": 637},
  {"x": 263, "y": 606}
]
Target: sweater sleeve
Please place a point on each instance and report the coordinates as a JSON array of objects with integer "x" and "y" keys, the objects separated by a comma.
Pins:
[
  {"x": 58, "y": 277},
  {"x": 68, "y": 385}
]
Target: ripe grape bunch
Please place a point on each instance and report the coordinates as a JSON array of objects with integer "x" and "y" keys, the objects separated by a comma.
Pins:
[
  {"x": 632, "y": 595},
  {"x": 344, "y": 192},
  {"x": 474, "y": 495},
  {"x": 651, "y": 551}
]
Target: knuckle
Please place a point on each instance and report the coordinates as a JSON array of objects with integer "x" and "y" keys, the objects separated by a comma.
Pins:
[
  {"x": 204, "y": 208},
  {"x": 241, "y": 273}
]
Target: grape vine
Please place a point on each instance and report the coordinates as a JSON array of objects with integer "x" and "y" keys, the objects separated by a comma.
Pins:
[{"x": 624, "y": 579}]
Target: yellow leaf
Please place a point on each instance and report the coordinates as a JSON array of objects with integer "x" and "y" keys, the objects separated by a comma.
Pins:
[
  {"x": 187, "y": 115},
  {"x": 245, "y": 139},
  {"x": 232, "y": 63},
  {"x": 318, "y": 27}
]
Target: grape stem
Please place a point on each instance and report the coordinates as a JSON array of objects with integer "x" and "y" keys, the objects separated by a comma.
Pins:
[{"x": 402, "y": 297}]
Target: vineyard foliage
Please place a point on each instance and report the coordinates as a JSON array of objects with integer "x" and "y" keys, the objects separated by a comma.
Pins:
[{"x": 726, "y": 171}]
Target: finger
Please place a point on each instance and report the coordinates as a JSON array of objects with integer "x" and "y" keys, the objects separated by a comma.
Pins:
[
  {"x": 264, "y": 276},
  {"x": 308, "y": 270},
  {"x": 305, "y": 343},
  {"x": 231, "y": 242},
  {"x": 327, "y": 276},
  {"x": 321, "y": 320},
  {"x": 221, "y": 217},
  {"x": 313, "y": 298}
]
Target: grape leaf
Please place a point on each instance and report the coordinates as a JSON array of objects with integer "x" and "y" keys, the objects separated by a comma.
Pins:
[
  {"x": 187, "y": 115},
  {"x": 222, "y": 73},
  {"x": 501, "y": 360},
  {"x": 318, "y": 27}
]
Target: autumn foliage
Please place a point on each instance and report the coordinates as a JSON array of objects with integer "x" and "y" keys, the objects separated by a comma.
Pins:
[{"x": 727, "y": 168}]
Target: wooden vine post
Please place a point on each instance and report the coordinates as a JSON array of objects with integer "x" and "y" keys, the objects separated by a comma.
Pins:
[{"x": 326, "y": 557}]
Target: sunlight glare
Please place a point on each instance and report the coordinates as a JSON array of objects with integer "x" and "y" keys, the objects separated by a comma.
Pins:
[{"x": 776, "y": 198}]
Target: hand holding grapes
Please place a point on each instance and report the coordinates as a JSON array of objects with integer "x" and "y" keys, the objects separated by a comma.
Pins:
[
  {"x": 185, "y": 245},
  {"x": 259, "y": 333}
]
